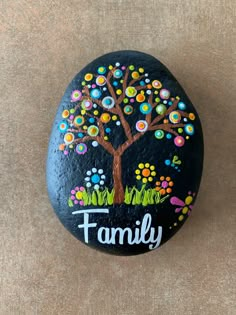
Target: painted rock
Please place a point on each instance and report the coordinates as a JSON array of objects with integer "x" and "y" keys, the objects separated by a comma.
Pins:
[{"x": 125, "y": 155}]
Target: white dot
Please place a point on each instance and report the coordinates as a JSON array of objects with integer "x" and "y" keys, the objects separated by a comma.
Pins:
[
  {"x": 146, "y": 74},
  {"x": 89, "y": 86},
  {"x": 137, "y": 222},
  {"x": 87, "y": 179},
  {"x": 94, "y": 170},
  {"x": 88, "y": 185},
  {"x": 94, "y": 105},
  {"x": 117, "y": 64},
  {"x": 165, "y": 102},
  {"x": 185, "y": 119},
  {"x": 103, "y": 176},
  {"x": 104, "y": 89},
  {"x": 96, "y": 186},
  {"x": 149, "y": 92},
  {"x": 89, "y": 173},
  {"x": 118, "y": 123},
  {"x": 94, "y": 143},
  {"x": 101, "y": 182},
  {"x": 100, "y": 171},
  {"x": 147, "y": 80}
]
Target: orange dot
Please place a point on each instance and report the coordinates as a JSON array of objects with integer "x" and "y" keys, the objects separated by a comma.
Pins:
[
  {"x": 140, "y": 98},
  {"x": 146, "y": 172},
  {"x": 149, "y": 86},
  {"x": 162, "y": 191},
  {"x": 162, "y": 178},
  {"x": 171, "y": 184},
  {"x": 169, "y": 190},
  {"x": 157, "y": 188},
  {"x": 62, "y": 147},
  {"x": 168, "y": 178},
  {"x": 158, "y": 183},
  {"x": 105, "y": 117},
  {"x": 165, "y": 121}
]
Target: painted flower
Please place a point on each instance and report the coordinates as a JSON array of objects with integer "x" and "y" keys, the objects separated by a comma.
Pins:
[
  {"x": 95, "y": 178},
  {"x": 185, "y": 207},
  {"x": 77, "y": 195},
  {"x": 164, "y": 185},
  {"x": 145, "y": 172}
]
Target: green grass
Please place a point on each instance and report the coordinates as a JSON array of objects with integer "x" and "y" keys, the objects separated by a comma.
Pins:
[{"x": 133, "y": 196}]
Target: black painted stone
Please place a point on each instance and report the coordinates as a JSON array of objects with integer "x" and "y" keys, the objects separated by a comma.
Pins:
[{"x": 165, "y": 148}]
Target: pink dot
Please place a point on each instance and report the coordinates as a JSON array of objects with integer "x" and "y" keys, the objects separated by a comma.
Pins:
[
  {"x": 131, "y": 100},
  {"x": 164, "y": 184},
  {"x": 72, "y": 197},
  {"x": 179, "y": 141},
  {"x": 72, "y": 117},
  {"x": 66, "y": 152},
  {"x": 93, "y": 86},
  {"x": 81, "y": 203},
  {"x": 76, "y": 202},
  {"x": 123, "y": 67},
  {"x": 77, "y": 188},
  {"x": 73, "y": 191},
  {"x": 81, "y": 188}
]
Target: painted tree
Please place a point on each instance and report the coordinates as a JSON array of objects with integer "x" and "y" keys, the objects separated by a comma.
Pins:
[{"x": 107, "y": 99}]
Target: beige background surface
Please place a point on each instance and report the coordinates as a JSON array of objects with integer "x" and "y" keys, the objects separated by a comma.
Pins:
[{"x": 43, "y": 269}]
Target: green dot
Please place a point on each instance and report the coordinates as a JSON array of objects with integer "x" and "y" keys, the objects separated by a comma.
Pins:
[
  {"x": 159, "y": 134},
  {"x": 72, "y": 111},
  {"x": 180, "y": 130},
  {"x": 157, "y": 100},
  {"x": 131, "y": 67},
  {"x": 83, "y": 83},
  {"x": 125, "y": 100}
]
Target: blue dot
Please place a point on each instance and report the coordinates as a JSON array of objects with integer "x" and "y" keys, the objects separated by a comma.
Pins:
[
  {"x": 95, "y": 178},
  {"x": 108, "y": 130},
  {"x": 181, "y": 106},
  {"x": 115, "y": 83},
  {"x": 172, "y": 164},
  {"x": 167, "y": 162},
  {"x": 142, "y": 83},
  {"x": 80, "y": 135},
  {"x": 176, "y": 167},
  {"x": 168, "y": 136},
  {"x": 170, "y": 103},
  {"x": 91, "y": 120}
]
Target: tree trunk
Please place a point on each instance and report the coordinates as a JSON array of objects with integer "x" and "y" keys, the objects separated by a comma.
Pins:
[{"x": 117, "y": 180}]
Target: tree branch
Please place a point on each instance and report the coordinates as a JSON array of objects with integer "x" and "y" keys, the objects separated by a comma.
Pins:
[{"x": 131, "y": 83}]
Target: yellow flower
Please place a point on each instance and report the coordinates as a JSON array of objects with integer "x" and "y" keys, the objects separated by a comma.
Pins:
[{"x": 145, "y": 172}]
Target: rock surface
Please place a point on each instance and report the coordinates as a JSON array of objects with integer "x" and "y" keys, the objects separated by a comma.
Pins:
[{"x": 125, "y": 155}]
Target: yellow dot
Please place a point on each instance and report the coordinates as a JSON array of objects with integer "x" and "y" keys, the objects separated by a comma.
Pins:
[
  {"x": 121, "y": 81},
  {"x": 79, "y": 195},
  {"x": 175, "y": 224},
  {"x": 85, "y": 127},
  {"x": 65, "y": 113},
  {"x": 141, "y": 70},
  {"x": 106, "y": 138},
  {"x": 135, "y": 75},
  {"x": 138, "y": 177},
  {"x": 156, "y": 92},
  {"x": 153, "y": 173},
  {"x": 181, "y": 217},
  {"x": 110, "y": 67},
  {"x": 177, "y": 97},
  {"x": 147, "y": 164},
  {"x": 83, "y": 112},
  {"x": 71, "y": 146},
  {"x": 141, "y": 166},
  {"x": 95, "y": 112},
  {"x": 114, "y": 117},
  {"x": 185, "y": 210},
  {"x": 152, "y": 167},
  {"x": 88, "y": 77},
  {"x": 118, "y": 92},
  {"x": 187, "y": 137},
  {"x": 188, "y": 200},
  {"x": 144, "y": 180},
  {"x": 137, "y": 172},
  {"x": 150, "y": 179}
]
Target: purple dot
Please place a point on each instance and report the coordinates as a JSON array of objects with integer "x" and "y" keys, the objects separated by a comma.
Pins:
[
  {"x": 123, "y": 67},
  {"x": 131, "y": 100},
  {"x": 66, "y": 152},
  {"x": 72, "y": 197},
  {"x": 73, "y": 191},
  {"x": 164, "y": 184},
  {"x": 93, "y": 86},
  {"x": 72, "y": 117},
  {"x": 76, "y": 202}
]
